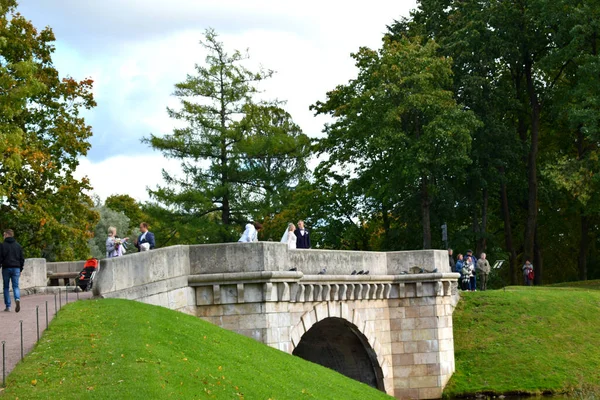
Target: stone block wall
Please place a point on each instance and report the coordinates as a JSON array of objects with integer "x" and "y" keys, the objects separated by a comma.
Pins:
[
  {"x": 158, "y": 277},
  {"x": 33, "y": 275}
]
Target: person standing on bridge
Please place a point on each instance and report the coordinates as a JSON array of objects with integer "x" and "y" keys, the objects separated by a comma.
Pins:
[
  {"x": 115, "y": 247},
  {"x": 145, "y": 241},
  {"x": 251, "y": 232},
  {"x": 289, "y": 237},
  {"x": 303, "y": 236},
  {"x": 12, "y": 262}
]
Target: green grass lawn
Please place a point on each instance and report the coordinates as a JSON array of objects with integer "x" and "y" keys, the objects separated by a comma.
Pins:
[
  {"x": 595, "y": 285},
  {"x": 527, "y": 340},
  {"x": 119, "y": 349}
]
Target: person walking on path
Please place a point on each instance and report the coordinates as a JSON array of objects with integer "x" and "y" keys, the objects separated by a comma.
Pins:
[
  {"x": 483, "y": 265},
  {"x": 451, "y": 260},
  {"x": 303, "y": 236},
  {"x": 528, "y": 273},
  {"x": 145, "y": 241},
  {"x": 12, "y": 262}
]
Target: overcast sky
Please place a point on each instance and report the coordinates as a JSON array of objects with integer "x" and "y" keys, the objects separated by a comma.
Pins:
[{"x": 135, "y": 51}]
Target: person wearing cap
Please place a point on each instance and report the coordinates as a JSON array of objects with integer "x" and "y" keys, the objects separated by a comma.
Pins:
[{"x": 473, "y": 279}]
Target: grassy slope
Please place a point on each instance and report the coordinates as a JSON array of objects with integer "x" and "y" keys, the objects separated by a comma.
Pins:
[
  {"x": 101, "y": 349},
  {"x": 526, "y": 340}
]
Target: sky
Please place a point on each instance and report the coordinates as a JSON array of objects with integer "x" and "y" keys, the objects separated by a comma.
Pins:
[{"x": 136, "y": 51}]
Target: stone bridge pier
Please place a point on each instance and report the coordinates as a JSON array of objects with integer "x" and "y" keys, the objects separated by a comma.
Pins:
[{"x": 389, "y": 329}]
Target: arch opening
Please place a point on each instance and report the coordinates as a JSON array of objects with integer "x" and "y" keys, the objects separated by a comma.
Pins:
[{"x": 339, "y": 345}]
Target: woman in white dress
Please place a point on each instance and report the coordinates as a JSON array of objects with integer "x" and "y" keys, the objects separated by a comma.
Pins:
[{"x": 289, "y": 237}]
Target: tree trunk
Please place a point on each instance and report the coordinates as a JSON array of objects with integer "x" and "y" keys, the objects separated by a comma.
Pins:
[
  {"x": 482, "y": 239},
  {"x": 425, "y": 213},
  {"x": 508, "y": 239},
  {"x": 584, "y": 239},
  {"x": 584, "y": 243},
  {"x": 532, "y": 198},
  {"x": 386, "y": 227},
  {"x": 538, "y": 263}
]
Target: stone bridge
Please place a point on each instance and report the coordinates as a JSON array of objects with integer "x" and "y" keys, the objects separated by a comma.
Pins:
[{"x": 388, "y": 329}]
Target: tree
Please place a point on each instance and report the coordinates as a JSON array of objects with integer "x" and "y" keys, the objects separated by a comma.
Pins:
[
  {"x": 42, "y": 134},
  {"x": 227, "y": 143},
  {"x": 397, "y": 130},
  {"x": 128, "y": 206}
]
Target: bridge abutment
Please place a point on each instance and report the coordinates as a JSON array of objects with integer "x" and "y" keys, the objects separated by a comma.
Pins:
[{"x": 395, "y": 325}]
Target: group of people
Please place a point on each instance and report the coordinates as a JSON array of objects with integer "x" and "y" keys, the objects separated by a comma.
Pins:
[
  {"x": 116, "y": 247},
  {"x": 468, "y": 266},
  {"x": 294, "y": 238}
]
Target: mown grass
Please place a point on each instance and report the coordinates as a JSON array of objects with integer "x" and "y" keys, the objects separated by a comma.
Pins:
[
  {"x": 594, "y": 285},
  {"x": 118, "y": 349},
  {"x": 527, "y": 340}
]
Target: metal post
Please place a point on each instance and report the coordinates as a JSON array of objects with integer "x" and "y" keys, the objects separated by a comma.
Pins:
[
  {"x": 66, "y": 295},
  {"x": 55, "y": 307},
  {"x": 77, "y": 291},
  {"x": 37, "y": 321},
  {"x": 59, "y": 299},
  {"x": 3, "y": 363},
  {"x": 21, "y": 323},
  {"x": 46, "y": 314}
]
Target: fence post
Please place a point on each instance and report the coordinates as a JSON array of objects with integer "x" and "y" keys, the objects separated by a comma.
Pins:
[
  {"x": 3, "y": 363},
  {"x": 46, "y": 314},
  {"x": 21, "y": 323},
  {"x": 37, "y": 321}
]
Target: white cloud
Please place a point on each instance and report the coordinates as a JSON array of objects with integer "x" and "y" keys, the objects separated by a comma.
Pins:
[
  {"x": 136, "y": 51},
  {"x": 126, "y": 175}
]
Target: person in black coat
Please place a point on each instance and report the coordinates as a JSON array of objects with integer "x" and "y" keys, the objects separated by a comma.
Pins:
[
  {"x": 303, "y": 236},
  {"x": 12, "y": 261},
  {"x": 146, "y": 238}
]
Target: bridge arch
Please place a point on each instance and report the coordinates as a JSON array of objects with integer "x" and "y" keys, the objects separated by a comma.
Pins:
[{"x": 336, "y": 343}]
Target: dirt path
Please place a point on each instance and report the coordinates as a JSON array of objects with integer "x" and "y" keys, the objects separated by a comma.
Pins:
[{"x": 10, "y": 331}]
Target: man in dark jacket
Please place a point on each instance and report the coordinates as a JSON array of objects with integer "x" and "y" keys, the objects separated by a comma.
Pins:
[
  {"x": 146, "y": 239},
  {"x": 303, "y": 238},
  {"x": 12, "y": 261},
  {"x": 451, "y": 260}
]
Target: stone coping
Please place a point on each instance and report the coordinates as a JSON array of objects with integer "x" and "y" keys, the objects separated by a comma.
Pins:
[{"x": 287, "y": 276}]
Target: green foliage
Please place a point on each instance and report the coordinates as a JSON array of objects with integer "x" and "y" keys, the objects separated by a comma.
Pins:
[
  {"x": 398, "y": 135},
  {"x": 526, "y": 340},
  {"x": 239, "y": 156},
  {"x": 128, "y": 206},
  {"x": 41, "y": 136},
  {"x": 123, "y": 349}
]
